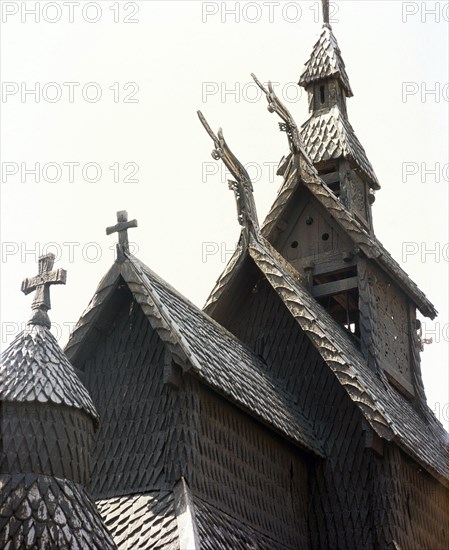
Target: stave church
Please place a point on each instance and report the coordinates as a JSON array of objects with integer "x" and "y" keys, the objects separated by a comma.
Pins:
[{"x": 288, "y": 414}]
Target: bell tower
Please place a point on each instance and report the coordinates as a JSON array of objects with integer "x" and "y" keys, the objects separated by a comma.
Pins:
[
  {"x": 327, "y": 135},
  {"x": 321, "y": 223}
]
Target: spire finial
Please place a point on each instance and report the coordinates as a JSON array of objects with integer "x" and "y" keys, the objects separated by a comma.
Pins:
[
  {"x": 121, "y": 227},
  {"x": 41, "y": 284},
  {"x": 325, "y": 5}
]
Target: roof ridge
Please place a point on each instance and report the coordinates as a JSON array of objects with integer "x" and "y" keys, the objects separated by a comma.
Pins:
[
  {"x": 220, "y": 327},
  {"x": 233, "y": 370},
  {"x": 362, "y": 376},
  {"x": 369, "y": 244}
]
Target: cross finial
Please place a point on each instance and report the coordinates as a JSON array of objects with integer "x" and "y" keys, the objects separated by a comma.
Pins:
[
  {"x": 121, "y": 227},
  {"x": 325, "y": 4},
  {"x": 41, "y": 284}
]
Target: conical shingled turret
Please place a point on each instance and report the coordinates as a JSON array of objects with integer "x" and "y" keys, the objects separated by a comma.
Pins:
[{"x": 47, "y": 427}]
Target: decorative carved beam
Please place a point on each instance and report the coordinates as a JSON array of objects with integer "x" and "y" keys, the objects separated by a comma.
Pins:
[
  {"x": 335, "y": 287},
  {"x": 242, "y": 186},
  {"x": 288, "y": 125}
]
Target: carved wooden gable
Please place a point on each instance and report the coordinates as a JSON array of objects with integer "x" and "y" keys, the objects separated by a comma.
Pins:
[
  {"x": 388, "y": 321},
  {"x": 311, "y": 236}
]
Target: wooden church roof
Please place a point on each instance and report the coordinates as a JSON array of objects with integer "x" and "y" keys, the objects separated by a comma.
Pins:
[
  {"x": 301, "y": 172},
  {"x": 223, "y": 363},
  {"x": 48, "y": 512},
  {"x": 177, "y": 519},
  {"x": 389, "y": 414},
  {"x": 202, "y": 346}
]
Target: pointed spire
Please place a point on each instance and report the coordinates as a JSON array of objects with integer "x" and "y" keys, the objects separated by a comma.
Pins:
[
  {"x": 242, "y": 186},
  {"x": 326, "y": 61},
  {"x": 41, "y": 284},
  {"x": 327, "y": 135},
  {"x": 121, "y": 227}
]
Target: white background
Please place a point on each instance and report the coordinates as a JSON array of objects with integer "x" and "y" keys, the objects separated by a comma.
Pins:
[{"x": 172, "y": 53}]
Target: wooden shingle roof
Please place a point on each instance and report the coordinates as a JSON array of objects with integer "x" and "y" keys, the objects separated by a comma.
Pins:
[
  {"x": 39, "y": 511},
  {"x": 390, "y": 414},
  {"x": 203, "y": 346},
  {"x": 301, "y": 172},
  {"x": 329, "y": 135},
  {"x": 326, "y": 61},
  {"x": 34, "y": 368}
]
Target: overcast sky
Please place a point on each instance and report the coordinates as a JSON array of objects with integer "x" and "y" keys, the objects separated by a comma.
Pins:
[{"x": 117, "y": 86}]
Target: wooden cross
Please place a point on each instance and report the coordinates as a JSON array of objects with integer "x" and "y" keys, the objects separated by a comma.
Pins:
[
  {"x": 41, "y": 284},
  {"x": 325, "y": 4},
  {"x": 121, "y": 227}
]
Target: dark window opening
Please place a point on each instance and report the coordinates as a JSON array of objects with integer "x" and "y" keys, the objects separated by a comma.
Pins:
[
  {"x": 329, "y": 173},
  {"x": 335, "y": 188},
  {"x": 329, "y": 169},
  {"x": 344, "y": 273},
  {"x": 322, "y": 97},
  {"x": 338, "y": 293}
]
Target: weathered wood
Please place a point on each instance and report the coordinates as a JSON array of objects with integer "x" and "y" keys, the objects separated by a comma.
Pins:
[
  {"x": 121, "y": 227},
  {"x": 242, "y": 186},
  {"x": 41, "y": 284},
  {"x": 335, "y": 287}
]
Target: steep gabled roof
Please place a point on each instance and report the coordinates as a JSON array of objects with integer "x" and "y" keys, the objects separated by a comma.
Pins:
[
  {"x": 301, "y": 172},
  {"x": 203, "y": 346},
  {"x": 329, "y": 135},
  {"x": 389, "y": 414},
  {"x": 326, "y": 61}
]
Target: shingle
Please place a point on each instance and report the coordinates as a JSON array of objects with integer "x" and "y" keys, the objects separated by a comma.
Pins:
[
  {"x": 215, "y": 355},
  {"x": 329, "y": 135},
  {"x": 390, "y": 414},
  {"x": 326, "y": 61},
  {"x": 40, "y": 512},
  {"x": 34, "y": 368},
  {"x": 144, "y": 520}
]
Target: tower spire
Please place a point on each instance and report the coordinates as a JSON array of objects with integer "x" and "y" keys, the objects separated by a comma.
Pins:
[{"x": 327, "y": 135}]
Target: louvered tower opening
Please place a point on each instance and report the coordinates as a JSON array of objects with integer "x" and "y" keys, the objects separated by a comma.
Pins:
[
  {"x": 330, "y": 174},
  {"x": 338, "y": 293}
]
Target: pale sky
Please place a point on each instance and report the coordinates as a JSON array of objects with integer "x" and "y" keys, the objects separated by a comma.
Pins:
[{"x": 149, "y": 77}]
